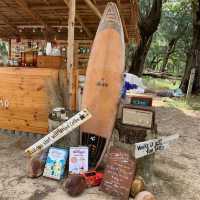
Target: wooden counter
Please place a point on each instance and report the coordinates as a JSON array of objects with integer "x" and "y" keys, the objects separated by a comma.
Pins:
[{"x": 26, "y": 96}]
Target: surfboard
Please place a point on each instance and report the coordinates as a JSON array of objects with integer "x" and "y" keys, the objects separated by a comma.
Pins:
[{"x": 103, "y": 83}]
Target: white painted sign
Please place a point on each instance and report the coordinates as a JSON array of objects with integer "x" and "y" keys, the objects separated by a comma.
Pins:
[
  {"x": 78, "y": 160},
  {"x": 4, "y": 103},
  {"x": 151, "y": 146},
  {"x": 59, "y": 132}
]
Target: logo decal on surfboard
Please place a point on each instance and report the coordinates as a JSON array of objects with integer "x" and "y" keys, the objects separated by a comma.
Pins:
[
  {"x": 110, "y": 14},
  {"x": 102, "y": 83}
]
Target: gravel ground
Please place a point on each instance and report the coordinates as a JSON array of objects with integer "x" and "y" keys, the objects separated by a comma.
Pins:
[{"x": 176, "y": 170}]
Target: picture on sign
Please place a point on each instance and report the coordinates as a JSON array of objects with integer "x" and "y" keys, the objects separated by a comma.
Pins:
[
  {"x": 59, "y": 132},
  {"x": 78, "y": 160},
  {"x": 151, "y": 146},
  {"x": 55, "y": 163}
]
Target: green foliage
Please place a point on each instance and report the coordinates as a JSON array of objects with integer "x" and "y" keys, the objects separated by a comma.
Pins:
[
  {"x": 145, "y": 6},
  {"x": 192, "y": 104},
  {"x": 130, "y": 49},
  {"x": 176, "y": 22},
  {"x": 160, "y": 84},
  {"x": 3, "y": 49}
]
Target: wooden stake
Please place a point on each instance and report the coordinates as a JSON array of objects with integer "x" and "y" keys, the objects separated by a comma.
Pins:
[
  {"x": 190, "y": 84},
  {"x": 70, "y": 51},
  {"x": 79, "y": 19}
]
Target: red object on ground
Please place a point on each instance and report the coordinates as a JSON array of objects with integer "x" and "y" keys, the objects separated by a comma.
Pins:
[{"x": 93, "y": 178}]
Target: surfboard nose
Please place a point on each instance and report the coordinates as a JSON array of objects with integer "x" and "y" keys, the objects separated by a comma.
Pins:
[
  {"x": 111, "y": 13},
  {"x": 111, "y": 19}
]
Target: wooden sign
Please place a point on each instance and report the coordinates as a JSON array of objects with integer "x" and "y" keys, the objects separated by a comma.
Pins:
[
  {"x": 151, "y": 146},
  {"x": 137, "y": 116},
  {"x": 78, "y": 160},
  {"x": 191, "y": 82},
  {"x": 119, "y": 173},
  {"x": 143, "y": 101},
  {"x": 59, "y": 132}
]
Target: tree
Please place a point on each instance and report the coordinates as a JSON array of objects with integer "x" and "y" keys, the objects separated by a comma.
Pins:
[
  {"x": 3, "y": 49},
  {"x": 172, "y": 39},
  {"x": 193, "y": 56},
  {"x": 176, "y": 23},
  {"x": 149, "y": 20}
]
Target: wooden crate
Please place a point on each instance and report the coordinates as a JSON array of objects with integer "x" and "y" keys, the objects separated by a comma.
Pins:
[
  {"x": 50, "y": 61},
  {"x": 26, "y": 96}
]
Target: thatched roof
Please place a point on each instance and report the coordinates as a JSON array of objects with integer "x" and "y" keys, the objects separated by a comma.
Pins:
[{"x": 47, "y": 18}]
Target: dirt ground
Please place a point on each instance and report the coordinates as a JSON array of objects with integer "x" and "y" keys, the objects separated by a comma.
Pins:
[{"x": 176, "y": 170}]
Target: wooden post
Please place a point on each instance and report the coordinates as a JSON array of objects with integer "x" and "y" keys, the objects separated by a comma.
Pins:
[
  {"x": 70, "y": 51},
  {"x": 190, "y": 84},
  {"x": 9, "y": 49}
]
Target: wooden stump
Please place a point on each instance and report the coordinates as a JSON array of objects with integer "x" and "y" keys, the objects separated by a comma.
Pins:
[{"x": 126, "y": 136}]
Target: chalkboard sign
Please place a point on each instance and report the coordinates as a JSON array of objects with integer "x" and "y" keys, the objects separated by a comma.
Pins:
[{"x": 119, "y": 173}]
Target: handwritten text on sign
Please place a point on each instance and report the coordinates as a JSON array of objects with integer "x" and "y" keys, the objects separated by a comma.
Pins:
[
  {"x": 59, "y": 132},
  {"x": 151, "y": 146}
]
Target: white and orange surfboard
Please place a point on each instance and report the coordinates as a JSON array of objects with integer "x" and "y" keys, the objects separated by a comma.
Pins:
[{"x": 103, "y": 82}]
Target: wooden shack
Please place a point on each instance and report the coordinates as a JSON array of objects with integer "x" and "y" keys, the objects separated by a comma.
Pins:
[{"x": 29, "y": 92}]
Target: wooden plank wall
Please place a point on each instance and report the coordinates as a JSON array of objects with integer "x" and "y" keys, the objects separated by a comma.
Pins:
[
  {"x": 50, "y": 61},
  {"x": 26, "y": 96}
]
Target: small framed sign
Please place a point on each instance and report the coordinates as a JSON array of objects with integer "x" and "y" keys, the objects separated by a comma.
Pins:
[
  {"x": 78, "y": 160},
  {"x": 138, "y": 116},
  {"x": 142, "y": 101},
  {"x": 55, "y": 163}
]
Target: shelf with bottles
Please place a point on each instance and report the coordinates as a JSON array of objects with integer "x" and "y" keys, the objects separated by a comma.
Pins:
[{"x": 82, "y": 52}]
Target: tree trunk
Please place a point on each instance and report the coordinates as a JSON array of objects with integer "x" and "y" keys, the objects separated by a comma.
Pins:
[
  {"x": 172, "y": 45},
  {"x": 155, "y": 61},
  {"x": 139, "y": 57},
  {"x": 147, "y": 25},
  {"x": 193, "y": 58},
  {"x": 170, "y": 50}
]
